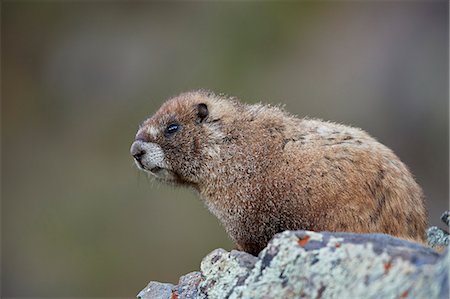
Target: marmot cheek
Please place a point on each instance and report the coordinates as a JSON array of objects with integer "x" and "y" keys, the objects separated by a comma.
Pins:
[{"x": 155, "y": 156}]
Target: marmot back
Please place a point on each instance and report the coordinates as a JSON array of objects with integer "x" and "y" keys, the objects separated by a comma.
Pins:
[{"x": 261, "y": 170}]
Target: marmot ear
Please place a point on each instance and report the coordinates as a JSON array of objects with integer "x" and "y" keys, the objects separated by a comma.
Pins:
[{"x": 202, "y": 112}]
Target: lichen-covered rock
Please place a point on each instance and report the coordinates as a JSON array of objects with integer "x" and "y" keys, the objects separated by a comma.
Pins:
[
  {"x": 439, "y": 238},
  {"x": 304, "y": 264},
  {"x": 187, "y": 288},
  {"x": 156, "y": 290}
]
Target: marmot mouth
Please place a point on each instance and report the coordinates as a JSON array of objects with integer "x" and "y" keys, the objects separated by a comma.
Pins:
[{"x": 155, "y": 169}]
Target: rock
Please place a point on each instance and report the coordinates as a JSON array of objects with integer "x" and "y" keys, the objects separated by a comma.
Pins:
[
  {"x": 304, "y": 264},
  {"x": 446, "y": 218},
  {"x": 156, "y": 290},
  {"x": 439, "y": 238},
  {"x": 188, "y": 285},
  {"x": 186, "y": 288}
]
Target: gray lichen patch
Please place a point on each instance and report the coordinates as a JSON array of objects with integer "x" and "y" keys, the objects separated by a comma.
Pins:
[
  {"x": 355, "y": 270},
  {"x": 156, "y": 290},
  {"x": 438, "y": 238},
  {"x": 224, "y": 271}
]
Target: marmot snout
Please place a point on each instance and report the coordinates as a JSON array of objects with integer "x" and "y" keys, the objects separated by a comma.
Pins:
[{"x": 261, "y": 170}]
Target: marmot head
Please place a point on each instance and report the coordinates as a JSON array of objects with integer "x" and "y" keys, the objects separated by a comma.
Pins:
[{"x": 175, "y": 143}]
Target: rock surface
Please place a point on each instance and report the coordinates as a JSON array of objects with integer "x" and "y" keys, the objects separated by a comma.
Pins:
[
  {"x": 439, "y": 238},
  {"x": 304, "y": 264}
]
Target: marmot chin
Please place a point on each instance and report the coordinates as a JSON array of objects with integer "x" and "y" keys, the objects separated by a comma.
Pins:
[{"x": 261, "y": 170}]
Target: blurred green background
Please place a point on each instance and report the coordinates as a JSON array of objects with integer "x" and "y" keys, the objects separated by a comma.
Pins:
[{"x": 79, "y": 220}]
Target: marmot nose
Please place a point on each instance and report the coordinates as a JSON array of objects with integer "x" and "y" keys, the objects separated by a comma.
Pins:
[{"x": 137, "y": 150}]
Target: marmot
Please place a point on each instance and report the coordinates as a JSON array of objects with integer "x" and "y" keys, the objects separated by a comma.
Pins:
[{"x": 261, "y": 170}]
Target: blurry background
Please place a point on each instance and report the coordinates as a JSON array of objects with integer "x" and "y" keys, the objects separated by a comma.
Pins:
[{"x": 79, "y": 220}]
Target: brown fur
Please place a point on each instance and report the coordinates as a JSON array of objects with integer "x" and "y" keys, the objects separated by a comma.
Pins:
[{"x": 261, "y": 171}]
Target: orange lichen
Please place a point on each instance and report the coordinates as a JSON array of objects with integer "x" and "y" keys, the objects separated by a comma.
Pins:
[
  {"x": 387, "y": 267},
  {"x": 304, "y": 241},
  {"x": 174, "y": 295},
  {"x": 404, "y": 294}
]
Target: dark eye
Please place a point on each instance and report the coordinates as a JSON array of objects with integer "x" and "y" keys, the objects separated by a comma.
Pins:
[{"x": 172, "y": 128}]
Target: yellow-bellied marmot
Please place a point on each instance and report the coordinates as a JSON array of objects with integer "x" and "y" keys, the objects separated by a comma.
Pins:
[{"x": 261, "y": 170}]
